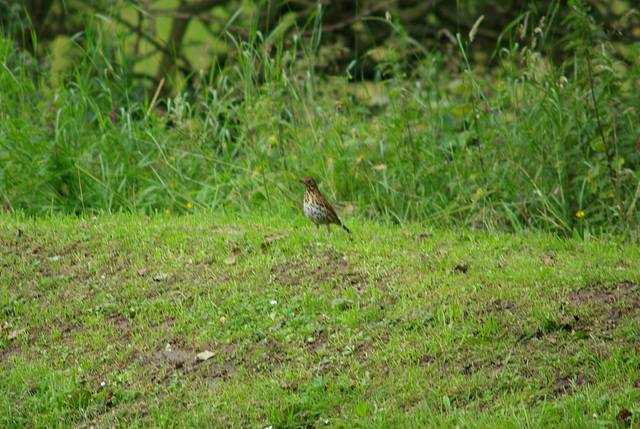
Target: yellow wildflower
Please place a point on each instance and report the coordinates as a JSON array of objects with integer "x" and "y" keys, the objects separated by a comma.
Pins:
[
  {"x": 580, "y": 214},
  {"x": 189, "y": 206}
]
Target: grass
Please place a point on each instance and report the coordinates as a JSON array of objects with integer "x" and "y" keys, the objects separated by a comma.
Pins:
[
  {"x": 433, "y": 138},
  {"x": 102, "y": 319},
  {"x": 125, "y": 302}
]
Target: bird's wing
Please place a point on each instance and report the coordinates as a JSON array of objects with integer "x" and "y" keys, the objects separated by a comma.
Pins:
[{"x": 333, "y": 217}]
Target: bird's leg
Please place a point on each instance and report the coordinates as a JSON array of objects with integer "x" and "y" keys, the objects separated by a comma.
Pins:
[
  {"x": 316, "y": 231},
  {"x": 327, "y": 230}
]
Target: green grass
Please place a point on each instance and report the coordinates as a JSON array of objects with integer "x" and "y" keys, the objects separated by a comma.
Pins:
[
  {"x": 396, "y": 326},
  {"x": 433, "y": 139}
]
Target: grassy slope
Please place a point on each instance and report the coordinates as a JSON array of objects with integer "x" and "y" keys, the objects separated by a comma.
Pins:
[{"x": 398, "y": 327}]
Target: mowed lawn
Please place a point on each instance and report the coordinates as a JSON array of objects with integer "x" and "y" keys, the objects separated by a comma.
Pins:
[{"x": 206, "y": 321}]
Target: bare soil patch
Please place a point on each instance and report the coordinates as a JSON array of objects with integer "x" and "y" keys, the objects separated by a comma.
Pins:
[
  {"x": 608, "y": 308},
  {"x": 327, "y": 266}
]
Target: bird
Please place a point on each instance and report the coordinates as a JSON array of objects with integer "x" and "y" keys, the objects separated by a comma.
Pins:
[{"x": 316, "y": 206}]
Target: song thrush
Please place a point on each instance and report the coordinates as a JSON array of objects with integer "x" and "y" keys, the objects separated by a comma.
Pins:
[{"x": 316, "y": 206}]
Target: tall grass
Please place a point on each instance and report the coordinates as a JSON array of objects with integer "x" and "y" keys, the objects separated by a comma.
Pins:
[{"x": 519, "y": 146}]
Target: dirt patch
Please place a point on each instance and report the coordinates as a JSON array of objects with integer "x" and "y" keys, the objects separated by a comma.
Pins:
[
  {"x": 625, "y": 295},
  {"x": 175, "y": 358},
  {"x": 609, "y": 307},
  {"x": 586, "y": 312},
  {"x": 564, "y": 385},
  {"x": 320, "y": 341},
  {"x": 324, "y": 267},
  {"x": 165, "y": 362}
]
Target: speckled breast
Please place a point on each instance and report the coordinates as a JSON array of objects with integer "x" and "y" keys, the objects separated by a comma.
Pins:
[{"x": 315, "y": 214}]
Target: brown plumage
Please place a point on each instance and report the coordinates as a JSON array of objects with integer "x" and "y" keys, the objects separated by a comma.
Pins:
[{"x": 316, "y": 206}]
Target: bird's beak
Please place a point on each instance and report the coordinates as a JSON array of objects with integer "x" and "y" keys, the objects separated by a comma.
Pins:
[{"x": 300, "y": 181}]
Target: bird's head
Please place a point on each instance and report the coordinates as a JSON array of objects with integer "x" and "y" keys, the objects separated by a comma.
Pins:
[{"x": 308, "y": 182}]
